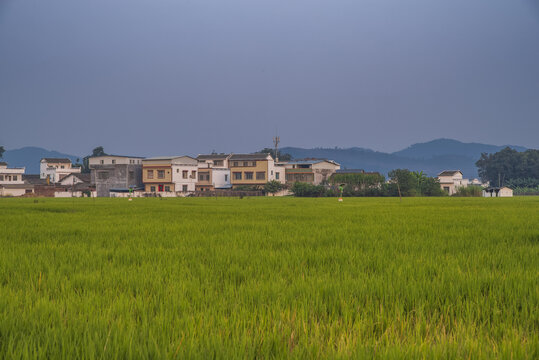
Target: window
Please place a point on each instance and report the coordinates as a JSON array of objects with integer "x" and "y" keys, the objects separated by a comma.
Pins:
[
  {"x": 101, "y": 162},
  {"x": 246, "y": 163},
  {"x": 185, "y": 173},
  {"x": 150, "y": 174},
  {"x": 277, "y": 176},
  {"x": 194, "y": 174},
  {"x": 14, "y": 177},
  {"x": 160, "y": 187},
  {"x": 271, "y": 172},
  {"x": 160, "y": 174},
  {"x": 236, "y": 163},
  {"x": 226, "y": 177},
  {"x": 204, "y": 176},
  {"x": 62, "y": 166},
  {"x": 260, "y": 175},
  {"x": 249, "y": 175},
  {"x": 177, "y": 171},
  {"x": 184, "y": 188},
  {"x": 253, "y": 163},
  {"x": 167, "y": 188},
  {"x": 218, "y": 162},
  {"x": 152, "y": 188},
  {"x": 2, "y": 177},
  {"x": 113, "y": 161},
  {"x": 236, "y": 175}
]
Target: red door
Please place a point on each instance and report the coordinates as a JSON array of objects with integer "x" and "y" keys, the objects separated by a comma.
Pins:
[{"x": 160, "y": 187}]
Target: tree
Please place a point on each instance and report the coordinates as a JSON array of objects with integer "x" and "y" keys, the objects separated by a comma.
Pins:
[
  {"x": 302, "y": 189},
  {"x": 273, "y": 187},
  {"x": 402, "y": 180},
  {"x": 98, "y": 151},
  {"x": 508, "y": 165},
  {"x": 2, "y": 150},
  {"x": 282, "y": 157},
  {"x": 421, "y": 178}
]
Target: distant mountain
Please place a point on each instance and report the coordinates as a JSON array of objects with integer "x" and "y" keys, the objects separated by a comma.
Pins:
[
  {"x": 443, "y": 147},
  {"x": 30, "y": 157},
  {"x": 431, "y": 157}
]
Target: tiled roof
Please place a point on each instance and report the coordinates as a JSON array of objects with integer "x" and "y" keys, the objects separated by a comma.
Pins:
[
  {"x": 248, "y": 157},
  {"x": 57, "y": 160},
  {"x": 212, "y": 157},
  {"x": 350, "y": 171},
  {"x": 311, "y": 161},
  {"x": 34, "y": 179},
  {"x": 120, "y": 156},
  {"x": 449, "y": 172}
]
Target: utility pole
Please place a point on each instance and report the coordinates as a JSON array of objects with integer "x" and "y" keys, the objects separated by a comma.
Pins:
[{"x": 276, "y": 143}]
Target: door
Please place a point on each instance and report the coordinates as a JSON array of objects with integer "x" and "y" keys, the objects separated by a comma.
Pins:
[{"x": 160, "y": 187}]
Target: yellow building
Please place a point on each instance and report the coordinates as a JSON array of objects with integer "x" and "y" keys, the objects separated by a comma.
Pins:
[
  {"x": 157, "y": 175},
  {"x": 251, "y": 169}
]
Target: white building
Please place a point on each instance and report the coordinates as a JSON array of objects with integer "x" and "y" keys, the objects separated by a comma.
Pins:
[
  {"x": 11, "y": 181},
  {"x": 184, "y": 173},
  {"x": 451, "y": 180},
  {"x": 498, "y": 192},
  {"x": 313, "y": 171},
  {"x": 55, "y": 169},
  {"x": 169, "y": 175},
  {"x": 213, "y": 172}
]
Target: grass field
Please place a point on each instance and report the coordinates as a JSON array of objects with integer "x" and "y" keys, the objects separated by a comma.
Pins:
[{"x": 269, "y": 278}]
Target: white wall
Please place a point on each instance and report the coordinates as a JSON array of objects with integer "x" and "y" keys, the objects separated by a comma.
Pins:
[
  {"x": 221, "y": 178},
  {"x": 177, "y": 176}
]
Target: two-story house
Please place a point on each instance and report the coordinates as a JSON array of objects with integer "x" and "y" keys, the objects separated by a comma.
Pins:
[
  {"x": 115, "y": 172},
  {"x": 451, "y": 180},
  {"x": 313, "y": 171},
  {"x": 11, "y": 181},
  {"x": 213, "y": 172},
  {"x": 253, "y": 169},
  {"x": 55, "y": 169},
  {"x": 169, "y": 174}
]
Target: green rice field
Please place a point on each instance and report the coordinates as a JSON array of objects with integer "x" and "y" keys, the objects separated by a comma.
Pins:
[{"x": 268, "y": 278}]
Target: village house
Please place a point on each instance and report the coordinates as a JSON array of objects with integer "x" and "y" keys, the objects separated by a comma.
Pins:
[
  {"x": 11, "y": 181},
  {"x": 312, "y": 171},
  {"x": 55, "y": 169},
  {"x": 503, "y": 191},
  {"x": 253, "y": 170},
  {"x": 169, "y": 175},
  {"x": 73, "y": 179},
  {"x": 115, "y": 172},
  {"x": 451, "y": 180},
  {"x": 213, "y": 172}
]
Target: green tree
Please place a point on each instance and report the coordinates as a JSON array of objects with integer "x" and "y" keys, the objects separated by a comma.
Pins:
[
  {"x": 421, "y": 178},
  {"x": 508, "y": 165},
  {"x": 301, "y": 189},
  {"x": 403, "y": 180},
  {"x": 273, "y": 187},
  {"x": 98, "y": 151},
  {"x": 282, "y": 157}
]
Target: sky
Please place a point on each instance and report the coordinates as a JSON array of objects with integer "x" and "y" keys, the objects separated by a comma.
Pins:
[{"x": 172, "y": 77}]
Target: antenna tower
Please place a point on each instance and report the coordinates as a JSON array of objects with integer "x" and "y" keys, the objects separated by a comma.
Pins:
[{"x": 276, "y": 143}]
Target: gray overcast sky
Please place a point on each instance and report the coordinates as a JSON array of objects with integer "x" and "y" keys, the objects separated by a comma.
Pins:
[{"x": 160, "y": 77}]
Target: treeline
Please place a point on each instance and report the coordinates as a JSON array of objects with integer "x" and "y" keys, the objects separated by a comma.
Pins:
[
  {"x": 508, "y": 167},
  {"x": 402, "y": 182}
]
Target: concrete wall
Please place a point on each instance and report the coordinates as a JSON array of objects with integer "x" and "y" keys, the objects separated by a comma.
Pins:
[{"x": 122, "y": 176}]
